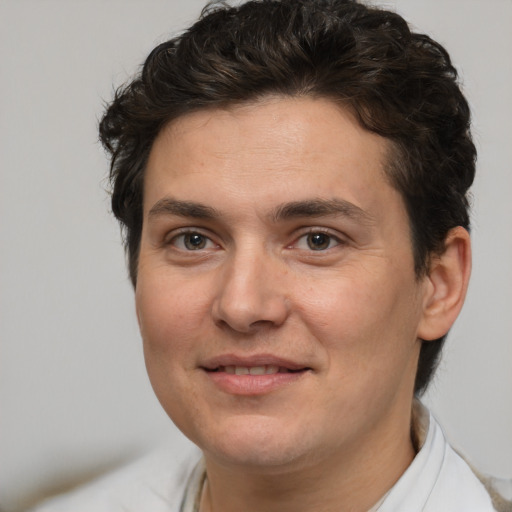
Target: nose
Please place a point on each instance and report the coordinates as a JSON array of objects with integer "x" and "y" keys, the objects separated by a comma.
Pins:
[{"x": 251, "y": 293}]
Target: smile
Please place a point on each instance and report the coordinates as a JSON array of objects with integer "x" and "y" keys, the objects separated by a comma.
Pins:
[
  {"x": 252, "y": 376},
  {"x": 254, "y": 370}
]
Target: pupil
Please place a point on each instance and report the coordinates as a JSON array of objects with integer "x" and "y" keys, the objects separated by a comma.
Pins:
[
  {"x": 194, "y": 241},
  {"x": 318, "y": 241}
]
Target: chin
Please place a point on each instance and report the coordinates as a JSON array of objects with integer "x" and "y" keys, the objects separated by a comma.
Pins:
[{"x": 256, "y": 443}]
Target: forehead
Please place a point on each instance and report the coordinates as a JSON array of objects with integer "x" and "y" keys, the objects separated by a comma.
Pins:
[{"x": 272, "y": 150}]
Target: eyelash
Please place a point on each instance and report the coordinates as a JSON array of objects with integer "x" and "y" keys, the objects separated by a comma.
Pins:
[
  {"x": 328, "y": 238},
  {"x": 183, "y": 235},
  {"x": 321, "y": 233}
]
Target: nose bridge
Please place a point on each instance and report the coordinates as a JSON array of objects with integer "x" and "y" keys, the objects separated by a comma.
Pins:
[{"x": 251, "y": 291}]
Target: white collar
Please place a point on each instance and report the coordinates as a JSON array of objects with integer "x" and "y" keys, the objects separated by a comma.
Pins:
[{"x": 437, "y": 479}]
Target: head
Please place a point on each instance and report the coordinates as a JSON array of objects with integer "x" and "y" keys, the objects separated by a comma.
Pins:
[{"x": 397, "y": 84}]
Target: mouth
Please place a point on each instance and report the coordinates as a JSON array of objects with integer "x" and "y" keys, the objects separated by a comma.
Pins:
[
  {"x": 269, "y": 369},
  {"x": 251, "y": 376}
]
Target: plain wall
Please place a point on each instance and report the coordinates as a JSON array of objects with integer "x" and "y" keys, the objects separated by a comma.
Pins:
[{"x": 74, "y": 396}]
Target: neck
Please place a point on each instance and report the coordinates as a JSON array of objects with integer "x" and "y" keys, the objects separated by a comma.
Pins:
[{"x": 345, "y": 480}]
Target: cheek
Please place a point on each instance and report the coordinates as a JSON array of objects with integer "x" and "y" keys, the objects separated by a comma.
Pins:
[
  {"x": 361, "y": 319},
  {"x": 339, "y": 309},
  {"x": 170, "y": 314},
  {"x": 170, "y": 319}
]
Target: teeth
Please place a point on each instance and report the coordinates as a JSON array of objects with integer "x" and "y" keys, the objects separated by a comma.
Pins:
[
  {"x": 253, "y": 370},
  {"x": 257, "y": 370}
]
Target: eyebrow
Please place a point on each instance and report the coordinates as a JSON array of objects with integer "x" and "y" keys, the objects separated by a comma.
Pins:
[
  {"x": 191, "y": 209},
  {"x": 321, "y": 208},
  {"x": 285, "y": 211}
]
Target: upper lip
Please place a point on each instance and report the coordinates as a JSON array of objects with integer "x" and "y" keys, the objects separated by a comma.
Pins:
[{"x": 251, "y": 361}]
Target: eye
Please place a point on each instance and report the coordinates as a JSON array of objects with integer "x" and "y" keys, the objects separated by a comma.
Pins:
[
  {"x": 317, "y": 241},
  {"x": 192, "y": 241}
]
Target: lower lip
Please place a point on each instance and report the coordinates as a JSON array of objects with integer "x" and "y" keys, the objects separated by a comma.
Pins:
[{"x": 251, "y": 385}]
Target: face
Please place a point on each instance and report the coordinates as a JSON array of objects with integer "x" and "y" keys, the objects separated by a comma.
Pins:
[{"x": 276, "y": 292}]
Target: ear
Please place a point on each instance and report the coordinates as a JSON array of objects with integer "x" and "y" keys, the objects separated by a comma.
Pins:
[{"x": 446, "y": 285}]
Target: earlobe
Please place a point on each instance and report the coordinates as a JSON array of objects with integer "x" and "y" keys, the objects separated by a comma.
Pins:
[{"x": 446, "y": 285}]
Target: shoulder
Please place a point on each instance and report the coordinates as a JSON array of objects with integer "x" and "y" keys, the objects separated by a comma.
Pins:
[
  {"x": 439, "y": 478},
  {"x": 153, "y": 483},
  {"x": 461, "y": 486},
  {"x": 499, "y": 490}
]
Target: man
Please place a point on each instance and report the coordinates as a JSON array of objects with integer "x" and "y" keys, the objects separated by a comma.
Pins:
[{"x": 292, "y": 180}]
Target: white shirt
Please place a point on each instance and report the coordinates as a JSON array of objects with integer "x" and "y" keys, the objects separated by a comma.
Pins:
[{"x": 438, "y": 480}]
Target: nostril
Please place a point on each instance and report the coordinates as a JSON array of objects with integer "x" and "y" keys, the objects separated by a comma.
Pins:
[{"x": 246, "y": 303}]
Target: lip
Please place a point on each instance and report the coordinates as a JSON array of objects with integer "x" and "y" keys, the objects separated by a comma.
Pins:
[
  {"x": 253, "y": 360},
  {"x": 252, "y": 385}
]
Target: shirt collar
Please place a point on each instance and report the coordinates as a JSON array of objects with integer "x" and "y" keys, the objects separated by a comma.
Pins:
[{"x": 420, "y": 422}]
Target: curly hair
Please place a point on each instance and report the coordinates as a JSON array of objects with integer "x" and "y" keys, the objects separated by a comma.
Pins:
[{"x": 399, "y": 84}]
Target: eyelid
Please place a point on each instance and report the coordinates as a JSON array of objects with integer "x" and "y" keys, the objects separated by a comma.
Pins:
[
  {"x": 338, "y": 237},
  {"x": 171, "y": 237}
]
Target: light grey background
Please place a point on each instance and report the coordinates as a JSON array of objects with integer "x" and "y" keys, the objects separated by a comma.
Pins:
[{"x": 74, "y": 396}]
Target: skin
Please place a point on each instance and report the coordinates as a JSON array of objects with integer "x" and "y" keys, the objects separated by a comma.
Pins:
[{"x": 337, "y": 435}]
